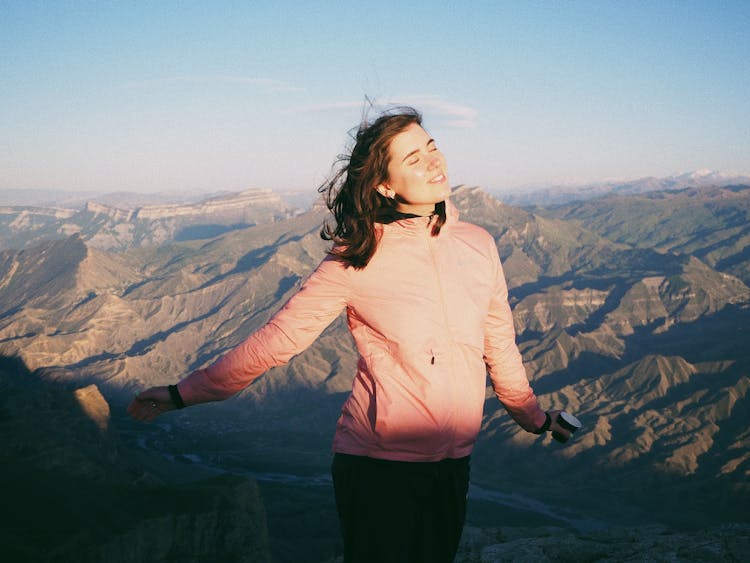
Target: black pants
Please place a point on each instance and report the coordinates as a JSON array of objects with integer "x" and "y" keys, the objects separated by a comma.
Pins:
[{"x": 394, "y": 511}]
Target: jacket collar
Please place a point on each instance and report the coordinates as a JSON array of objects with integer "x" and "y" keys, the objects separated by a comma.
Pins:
[
  {"x": 388, "y": 215},
  {"x": 390, "y": 219}
]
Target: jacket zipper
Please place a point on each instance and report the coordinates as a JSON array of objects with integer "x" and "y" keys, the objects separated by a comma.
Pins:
[
  {"x": 446, "y": 328},
  {"x": 441, "y": 293}
]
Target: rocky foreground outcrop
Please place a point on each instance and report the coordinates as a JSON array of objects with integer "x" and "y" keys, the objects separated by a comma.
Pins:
[
  {"x": 73, "y": 493},
  {"x": 648, "y": 543}
]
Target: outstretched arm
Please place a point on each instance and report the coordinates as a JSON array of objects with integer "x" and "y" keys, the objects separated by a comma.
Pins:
[
  {"x": 290, "y": 331},
  {"x": 505, "y": 366},
  {"x": 504, "y": 361}
]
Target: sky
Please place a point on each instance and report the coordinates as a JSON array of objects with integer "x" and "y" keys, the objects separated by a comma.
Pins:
[{"x": 196, "y": 97}]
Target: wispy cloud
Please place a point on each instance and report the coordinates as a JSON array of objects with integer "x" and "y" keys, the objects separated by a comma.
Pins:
[
  {"x": 334, "y": 106},
  {"x": 449, "y": 114},
  {"x": 270, "y": 83}
]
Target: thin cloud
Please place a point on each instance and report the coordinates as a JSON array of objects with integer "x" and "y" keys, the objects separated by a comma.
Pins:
[
  {"x": 277, "y": 85},
  {"x": 449, "y": 114},
  {"x": 335, "y": 106},
  {"x": 453, "y": 114}
]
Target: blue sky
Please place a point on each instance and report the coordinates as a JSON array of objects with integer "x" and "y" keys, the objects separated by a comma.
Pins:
[{"x": 207, "y": 96}]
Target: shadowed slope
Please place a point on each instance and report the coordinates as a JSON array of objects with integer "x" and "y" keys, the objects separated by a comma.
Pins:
[{"x": 74, "y": 492}]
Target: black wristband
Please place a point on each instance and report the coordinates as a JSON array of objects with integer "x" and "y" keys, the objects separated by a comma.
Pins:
[
  {"x": 546, "y": 425},
  {"x": 174, "y": 394}
]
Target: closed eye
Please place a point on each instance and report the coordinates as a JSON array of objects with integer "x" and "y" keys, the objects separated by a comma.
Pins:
[{"x": 413, "y": 157}]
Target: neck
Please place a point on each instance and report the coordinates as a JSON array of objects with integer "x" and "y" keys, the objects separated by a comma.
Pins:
[{"x": 422, "y": 210}]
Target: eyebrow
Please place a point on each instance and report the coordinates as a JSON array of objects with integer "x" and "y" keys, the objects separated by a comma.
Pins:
[{"x": 415, "y": 151}]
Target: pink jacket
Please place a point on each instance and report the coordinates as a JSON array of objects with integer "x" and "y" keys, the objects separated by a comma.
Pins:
[{"x": 430, "y": 318}]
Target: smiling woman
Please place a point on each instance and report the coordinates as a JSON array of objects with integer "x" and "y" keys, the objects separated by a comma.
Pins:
[
  {"x": 416, "y": 173},
  {"x": 387, "y": 170},
  {"x": 427, "y": 305}
]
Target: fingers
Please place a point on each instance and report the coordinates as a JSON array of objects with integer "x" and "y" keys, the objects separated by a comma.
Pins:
[
  {"x": 561, "y": 436},
  {"x": 144, "y": 410},
  {"x": 559, "y": 433},
  {"x": 563, "y": 426},
  {"x": 149, "y": 404}
]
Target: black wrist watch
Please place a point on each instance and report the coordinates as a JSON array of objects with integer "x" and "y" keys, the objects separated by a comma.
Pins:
[
  {"x": 546, "y": 425},
  {"x": 174, "y": 394}
]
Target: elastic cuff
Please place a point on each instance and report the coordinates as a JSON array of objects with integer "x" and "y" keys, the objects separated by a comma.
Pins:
[
  {"x": 174, "y": 394},
  {"x": 546, "y": 425}
]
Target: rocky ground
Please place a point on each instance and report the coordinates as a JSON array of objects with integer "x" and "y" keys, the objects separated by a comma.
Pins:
[
  {"x": 644, "y": 545},
  {"x": 653, "y": 543}
]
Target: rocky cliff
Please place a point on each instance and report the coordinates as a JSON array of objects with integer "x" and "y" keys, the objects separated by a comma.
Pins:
[
  {"x": 74, "y": 492},
  {"x": 118, "y": 228}
]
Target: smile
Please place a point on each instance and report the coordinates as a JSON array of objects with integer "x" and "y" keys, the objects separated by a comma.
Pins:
[{"x": 439, "y": 179}]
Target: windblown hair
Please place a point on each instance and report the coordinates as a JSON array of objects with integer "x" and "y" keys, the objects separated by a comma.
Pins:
[{"x": 350, "y": 192}]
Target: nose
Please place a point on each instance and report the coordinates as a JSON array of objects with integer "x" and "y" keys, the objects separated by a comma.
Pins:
[{"x": 434, "y": 161}]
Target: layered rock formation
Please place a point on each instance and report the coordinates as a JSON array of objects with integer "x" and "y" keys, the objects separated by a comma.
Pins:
[
  {"x": 711, "y": 224},
  {"x": 647, "y": 345},
  {"x": 119, "y": 228}
]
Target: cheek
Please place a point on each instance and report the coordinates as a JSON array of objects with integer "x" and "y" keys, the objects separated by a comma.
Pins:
[
  {"x": 442, "y": 161},
  {"x": 401, "y": 180}
]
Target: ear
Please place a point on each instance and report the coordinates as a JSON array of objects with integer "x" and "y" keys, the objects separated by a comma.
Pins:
[{"x": 384, "y": 191}]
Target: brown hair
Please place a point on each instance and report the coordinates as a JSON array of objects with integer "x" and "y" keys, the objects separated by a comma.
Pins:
[{"x": 350, "y": 192}]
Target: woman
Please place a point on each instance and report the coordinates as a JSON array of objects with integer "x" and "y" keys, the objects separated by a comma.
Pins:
[{"x": 427, "y": 305}]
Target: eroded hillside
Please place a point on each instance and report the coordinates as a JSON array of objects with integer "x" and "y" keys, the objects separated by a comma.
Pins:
[{"x": 645, "y": 339}]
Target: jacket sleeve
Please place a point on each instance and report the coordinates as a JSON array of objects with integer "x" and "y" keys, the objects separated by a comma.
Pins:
[
  {"x": 290, "y": 331},
  {"x": 503, "y": 359}
]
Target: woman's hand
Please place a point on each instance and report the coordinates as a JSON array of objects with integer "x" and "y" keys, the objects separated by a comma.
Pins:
[
  {"x": 151, "y": 403},
  {"x": 559, "y": 433}
]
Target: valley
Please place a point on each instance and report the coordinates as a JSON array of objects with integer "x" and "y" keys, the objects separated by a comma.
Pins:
[{"x": 631, "y": 311}]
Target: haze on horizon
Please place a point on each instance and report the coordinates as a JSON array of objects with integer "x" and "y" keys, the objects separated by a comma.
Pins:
[{"x": 200, "y": 97}]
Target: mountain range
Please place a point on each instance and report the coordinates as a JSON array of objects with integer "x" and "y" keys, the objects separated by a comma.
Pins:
[
  {"x": 631, "y": 312},
  {"x": 123, "y": 226},
  {"x": 566, "y": 193}
]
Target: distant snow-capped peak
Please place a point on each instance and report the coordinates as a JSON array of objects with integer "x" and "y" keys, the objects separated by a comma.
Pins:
[{"x": 707, "y": 175}]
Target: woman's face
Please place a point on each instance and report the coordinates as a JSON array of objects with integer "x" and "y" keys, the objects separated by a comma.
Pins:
[{"x": 417, "y": 172}]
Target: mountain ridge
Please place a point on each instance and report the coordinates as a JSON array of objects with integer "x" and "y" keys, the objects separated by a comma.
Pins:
[
  {"x": 567, "y": 193},
  {"x": 711, "y": 223},
  {"x": 644, "y": 344},
  {"x": 110, "y": 227}
]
